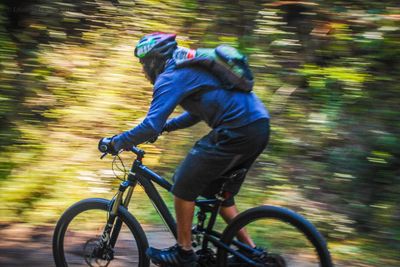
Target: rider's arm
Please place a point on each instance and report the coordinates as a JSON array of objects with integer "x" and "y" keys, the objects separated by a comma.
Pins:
[
  {"x": 182, "y": 121},
  {"x": 165, "y": 99}
]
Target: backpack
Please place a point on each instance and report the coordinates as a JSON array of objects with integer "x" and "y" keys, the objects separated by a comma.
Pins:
[{"x": 225, "y": 62}]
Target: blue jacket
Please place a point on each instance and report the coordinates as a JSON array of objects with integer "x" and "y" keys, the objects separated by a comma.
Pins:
[{"x": 201, "y": 96}]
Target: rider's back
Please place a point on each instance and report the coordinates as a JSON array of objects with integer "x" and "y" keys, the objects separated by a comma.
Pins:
[{"x": 201, "y": 94}]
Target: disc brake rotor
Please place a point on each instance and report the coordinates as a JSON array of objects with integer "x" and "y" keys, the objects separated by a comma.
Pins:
[{"x": 91, "y": 252}]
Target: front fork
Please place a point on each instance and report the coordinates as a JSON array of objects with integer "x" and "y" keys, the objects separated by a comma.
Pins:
[{"x": 114, "y": 223}]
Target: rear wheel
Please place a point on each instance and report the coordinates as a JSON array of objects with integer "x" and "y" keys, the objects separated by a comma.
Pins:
[
  {"x": 282, "y": 237},
  {"x": 76, "y": 240}
]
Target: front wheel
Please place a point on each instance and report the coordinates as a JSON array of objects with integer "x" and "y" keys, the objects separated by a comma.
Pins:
[
  {"x": 76, "y": 240},
  {"x": 282, "y": 238}
]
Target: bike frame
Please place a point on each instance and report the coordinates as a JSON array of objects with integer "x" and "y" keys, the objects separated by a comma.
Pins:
[{"x": 139, "y": 173}]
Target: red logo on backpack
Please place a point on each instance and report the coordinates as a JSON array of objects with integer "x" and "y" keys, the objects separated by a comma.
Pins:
[{"x": 191, "y": 53}]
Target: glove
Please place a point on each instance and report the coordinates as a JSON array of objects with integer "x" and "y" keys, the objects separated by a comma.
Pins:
[{"x": 106, "y": 146}]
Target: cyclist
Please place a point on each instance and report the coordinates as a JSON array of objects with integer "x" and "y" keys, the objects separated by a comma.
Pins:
[{"x": 240, "y": 132}]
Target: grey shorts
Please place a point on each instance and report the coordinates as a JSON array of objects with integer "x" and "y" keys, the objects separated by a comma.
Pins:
[{"x": 216, "y": 154}]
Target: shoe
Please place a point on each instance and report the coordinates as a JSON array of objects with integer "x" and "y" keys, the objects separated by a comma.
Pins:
[{"x": 174, "y": 256}]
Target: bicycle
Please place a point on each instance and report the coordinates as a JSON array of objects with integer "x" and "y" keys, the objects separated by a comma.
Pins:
[{"x": 111, "y": 240}]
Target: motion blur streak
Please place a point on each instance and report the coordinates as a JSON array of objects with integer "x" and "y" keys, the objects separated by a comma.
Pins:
[{"x": 327, "y": 70}]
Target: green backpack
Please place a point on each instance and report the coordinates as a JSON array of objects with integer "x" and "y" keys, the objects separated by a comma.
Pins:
[{"x": 226, "y": 62}]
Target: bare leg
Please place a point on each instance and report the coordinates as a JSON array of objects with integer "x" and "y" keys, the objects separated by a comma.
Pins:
[
  {"x": 228, "y": 213},
  {"x": 184, "y": 211}
]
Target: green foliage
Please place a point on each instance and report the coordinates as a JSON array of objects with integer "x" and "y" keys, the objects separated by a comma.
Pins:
[{"x": 328, "y": 72}]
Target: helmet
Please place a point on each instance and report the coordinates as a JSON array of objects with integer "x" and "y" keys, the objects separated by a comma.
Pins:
[
  {"x": 156, "y": 44},
  {"x": 153, "y": 50}
]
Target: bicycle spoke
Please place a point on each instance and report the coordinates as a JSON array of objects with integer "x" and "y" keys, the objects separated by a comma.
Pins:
[{"x": 82, "y": 245}]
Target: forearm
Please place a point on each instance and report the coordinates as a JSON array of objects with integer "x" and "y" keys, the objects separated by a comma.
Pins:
[
  {"x": 180, "y": 122},
  {"x": 140, "y": 134}
]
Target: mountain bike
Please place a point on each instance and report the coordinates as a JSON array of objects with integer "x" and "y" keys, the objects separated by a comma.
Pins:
[{"x": 101, "y": 232}]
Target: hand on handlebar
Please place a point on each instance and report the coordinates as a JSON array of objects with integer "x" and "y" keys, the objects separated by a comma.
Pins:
[{"x": 106, "y": 146}]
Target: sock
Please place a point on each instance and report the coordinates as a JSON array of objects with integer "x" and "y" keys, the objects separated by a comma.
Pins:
[{"x": 185, "y": 253}]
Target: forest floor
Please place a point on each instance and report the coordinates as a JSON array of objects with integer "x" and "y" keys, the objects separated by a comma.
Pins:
[{"x": 23, "y": 245}]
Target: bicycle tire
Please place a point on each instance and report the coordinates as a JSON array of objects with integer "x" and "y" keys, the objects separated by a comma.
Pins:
[
  {"x": 284, "y": 215},
  {"x": 102, "y": 205}
]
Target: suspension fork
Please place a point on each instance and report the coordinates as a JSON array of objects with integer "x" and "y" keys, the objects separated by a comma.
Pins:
[{"x": 118, "y": 201}]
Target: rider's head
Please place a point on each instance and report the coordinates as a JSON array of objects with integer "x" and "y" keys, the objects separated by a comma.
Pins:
[{"x": 153, "y": 50}]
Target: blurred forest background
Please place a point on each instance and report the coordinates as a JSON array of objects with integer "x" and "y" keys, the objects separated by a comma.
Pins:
[{"x": 327, "y": 70}]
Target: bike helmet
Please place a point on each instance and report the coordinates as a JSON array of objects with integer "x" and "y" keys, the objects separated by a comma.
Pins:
[
  {"x": 153, "y": 50},
  {"x": 156, "y": 44}
]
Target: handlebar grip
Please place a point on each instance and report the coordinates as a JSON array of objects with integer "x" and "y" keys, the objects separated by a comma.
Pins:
[
  {"x": 103, "y": 148},
  {"x": 104, "y": 145}
]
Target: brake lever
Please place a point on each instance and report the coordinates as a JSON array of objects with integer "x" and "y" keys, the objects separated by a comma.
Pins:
[{"x": 102, "y": 156}]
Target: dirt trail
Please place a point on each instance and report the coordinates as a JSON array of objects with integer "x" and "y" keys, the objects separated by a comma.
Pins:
[{"x": 25, "y": 246}]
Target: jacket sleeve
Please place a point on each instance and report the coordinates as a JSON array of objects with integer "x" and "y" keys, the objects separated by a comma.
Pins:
[
  {"x": 182, "y": 121},
  {"x": 165, "y": 99}
]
